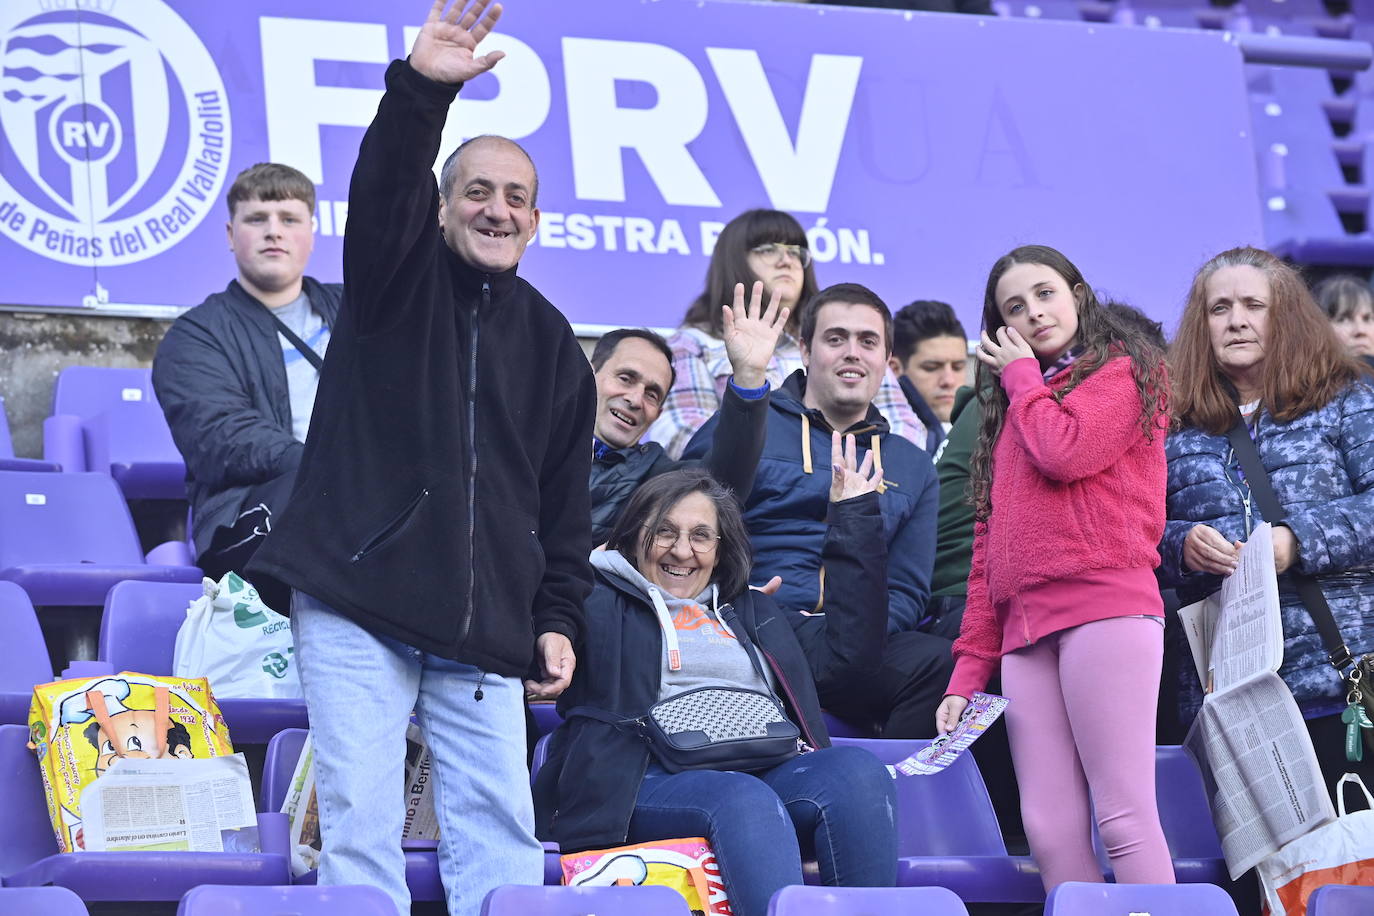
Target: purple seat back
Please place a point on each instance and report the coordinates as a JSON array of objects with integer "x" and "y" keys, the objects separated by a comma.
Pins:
[
  {"x": 948, "y": 814},
  {"x": 138, "y": 631},
  {"x": 800, "y": 900},
  {"x": 282, "y": 753},
  {"x": 6, "y": 443},
  {"x": 65, "y": 518},
  {"x": 40, "y": 901},
  {"x": 132, "y": 442},
  {"x": 1183, "y": 809},
  {"x": 28, "y": 835},
  {"x": 87, "y": 391},
  {"x": 1341, "y": 900},
  {"x": 1077, "y": 898},
  {"x": 23, "y": 654},
  {"x": 514, "y": 900},
  {"x": 345, "y": 900},
  {"x": 546, "y": 717}
]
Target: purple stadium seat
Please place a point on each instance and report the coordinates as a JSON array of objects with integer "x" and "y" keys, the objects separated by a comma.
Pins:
[
  {"x": 23, "y": 655},
  {"x": 138, "y": 632},
  {"x": 1341, "y": 900},
  {"x": 66, "y": 538},
  {"x": 513, "y": 900},
  {"x": 947, "y": 833},
  {"x": 1187, "y": 821},
  {"x": 229, "y": 900},
  {"x": 546, "y": 717},
  {"x": 108, "y": 420},
  {"x": 40, "y": 901},
  {"x": 1077, "y": 898},
  {"x": 7, "y": 460},
  {"x": 29, "y": 856},
  {"x": 799, "y": 900},
  {"x": 422, "y": 865}
]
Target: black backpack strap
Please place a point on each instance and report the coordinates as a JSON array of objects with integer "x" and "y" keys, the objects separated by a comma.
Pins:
[
  {"x": 1309, "y": 590},
  {"x": 304, "y": 348}
]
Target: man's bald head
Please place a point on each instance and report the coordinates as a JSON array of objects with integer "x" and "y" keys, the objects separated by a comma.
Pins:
[{"x": 450, "y": 169}]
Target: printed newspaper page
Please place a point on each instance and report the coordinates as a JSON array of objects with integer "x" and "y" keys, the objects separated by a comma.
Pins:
[
  {"x": 1261, "y": 773},
  {"x": 1238, "y": 632},
  {"x": 201, "y": 805}
]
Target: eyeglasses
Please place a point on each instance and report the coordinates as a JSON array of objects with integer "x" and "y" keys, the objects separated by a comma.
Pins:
[
  {"x": 772, "y": 250},
  {"x": 702, "y": 540}
]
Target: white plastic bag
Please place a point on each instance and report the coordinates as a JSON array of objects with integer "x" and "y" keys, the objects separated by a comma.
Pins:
[
  {"x": 240, "y": 644},
  {"x": 1339, "y": 852}
]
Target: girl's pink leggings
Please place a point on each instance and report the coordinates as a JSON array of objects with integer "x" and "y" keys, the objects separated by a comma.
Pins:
[{"x": 1082, "y": 727}]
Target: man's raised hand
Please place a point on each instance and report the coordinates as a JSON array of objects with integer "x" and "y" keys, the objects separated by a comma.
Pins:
[
  {"x": 751, "y": 334},
  {"x": 443, "y": 49},
  {"x": 846, "y": 481}
]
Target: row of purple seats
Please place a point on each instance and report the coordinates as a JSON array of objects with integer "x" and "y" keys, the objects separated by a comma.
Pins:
[
  {"x": 948, "y": 832},
  {"x": 108, "y": 420},
  {"x": 217, "y": 900},
  {"x": 1070, "y": 899}
]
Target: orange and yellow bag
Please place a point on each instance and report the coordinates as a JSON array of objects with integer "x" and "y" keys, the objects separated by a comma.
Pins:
[
  {"x": 79, "y": 726},
  {"x": 687, "y": 865}
]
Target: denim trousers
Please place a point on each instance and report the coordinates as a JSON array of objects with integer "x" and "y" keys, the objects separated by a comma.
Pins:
[
  {"x": 837, "y": 804},
  {"x": 360, "y": 689}
]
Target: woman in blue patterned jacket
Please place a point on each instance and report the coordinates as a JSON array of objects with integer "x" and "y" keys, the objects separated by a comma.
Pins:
[{"x": 1251, "y": 339}]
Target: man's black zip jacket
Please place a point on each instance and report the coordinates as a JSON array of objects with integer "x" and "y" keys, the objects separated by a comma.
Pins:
[{"x": 465, "y": 545}]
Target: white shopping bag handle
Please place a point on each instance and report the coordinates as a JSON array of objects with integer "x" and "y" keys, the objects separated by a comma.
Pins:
[{"x": 1340, "y": 791}]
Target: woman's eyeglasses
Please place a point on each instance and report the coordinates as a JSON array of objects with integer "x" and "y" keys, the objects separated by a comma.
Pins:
[
  {"x": 702, "y": 540},
  {"x": 774, "y": 250}
]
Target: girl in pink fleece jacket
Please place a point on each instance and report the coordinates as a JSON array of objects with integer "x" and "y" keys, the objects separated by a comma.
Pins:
[{"x": 1068, "y": 487}]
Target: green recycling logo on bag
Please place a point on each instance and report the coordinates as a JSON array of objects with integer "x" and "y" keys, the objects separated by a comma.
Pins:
[
  {"x": 247, "y": 605},
  {"x": 276, "y": 664}
]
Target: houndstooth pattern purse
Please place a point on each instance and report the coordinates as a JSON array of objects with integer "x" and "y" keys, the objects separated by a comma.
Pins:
[{"x": 720, "y": 728}]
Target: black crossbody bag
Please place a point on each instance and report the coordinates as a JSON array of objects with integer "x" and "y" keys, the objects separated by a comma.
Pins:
[
  {"x": 1358, "y": 674},
  {"x": 713, "y": 728}
]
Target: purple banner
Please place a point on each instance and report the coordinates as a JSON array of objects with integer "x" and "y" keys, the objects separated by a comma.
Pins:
[{"x": 916, "y": 148}]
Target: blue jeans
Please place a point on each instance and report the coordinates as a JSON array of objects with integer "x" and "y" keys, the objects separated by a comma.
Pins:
[
  {"x": 360, "y": 689},
  {"x": 837, "y": 804}
]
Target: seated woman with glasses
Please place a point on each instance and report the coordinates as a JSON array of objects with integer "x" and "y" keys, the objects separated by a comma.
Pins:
[
  {"x": 672, "y": 611},
  {"x": 765, "y": 246}
]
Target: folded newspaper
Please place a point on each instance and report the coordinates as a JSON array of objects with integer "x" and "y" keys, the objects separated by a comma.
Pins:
[
  {"x": 1250, "y": 741},
  {"x": 199, "y": 805},
  {"x": 977, "y": 718},
  {"x": 421, "y": 829}
]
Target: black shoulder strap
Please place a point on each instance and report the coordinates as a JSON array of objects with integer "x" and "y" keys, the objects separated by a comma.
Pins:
[
  {"x": 1309, "y": 590},
  {"x": 311, "y": 356},
  {"x": 601, "y": 715}
]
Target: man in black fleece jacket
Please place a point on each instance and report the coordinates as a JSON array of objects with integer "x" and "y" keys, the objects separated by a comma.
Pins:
[{"x": 437, "y": 539}]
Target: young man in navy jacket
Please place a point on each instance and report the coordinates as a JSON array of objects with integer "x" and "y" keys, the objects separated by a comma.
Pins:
[{"x": 846, "y": 334}]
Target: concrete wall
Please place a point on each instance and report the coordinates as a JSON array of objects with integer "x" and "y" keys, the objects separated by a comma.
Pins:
[{"x": 34, "y": 347}]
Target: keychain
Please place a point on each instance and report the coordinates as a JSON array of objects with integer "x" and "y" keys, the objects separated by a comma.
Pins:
[{"x": 1355, "y": 718}]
